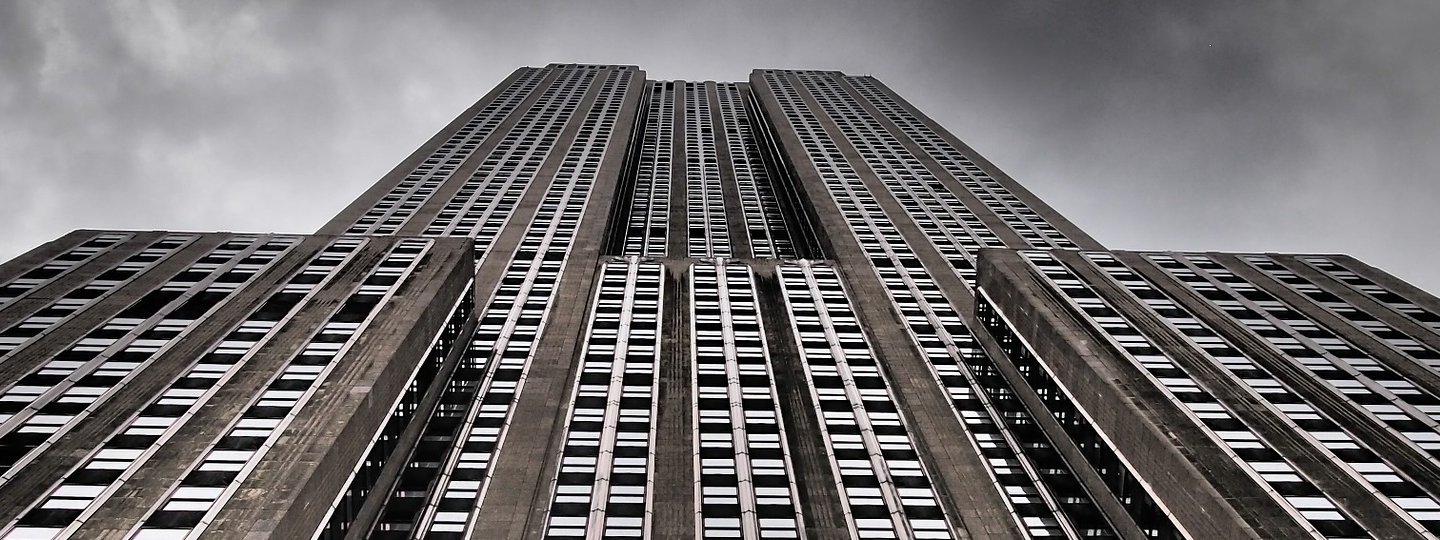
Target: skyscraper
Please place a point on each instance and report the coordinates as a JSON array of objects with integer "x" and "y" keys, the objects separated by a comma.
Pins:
[{"x": 600, "y": 306}]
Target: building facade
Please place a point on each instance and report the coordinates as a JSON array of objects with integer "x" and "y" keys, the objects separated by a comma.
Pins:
[{"x": 600, "y": 306}]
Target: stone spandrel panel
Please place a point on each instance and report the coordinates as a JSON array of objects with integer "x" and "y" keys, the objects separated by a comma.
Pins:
[
  {"x": 1191, "y": 342},
  {"x": 203, "y": 337},
  {"x": 1257, "y": 419},
  {"x": 479, "y": 475},
  {"x": 89, "y": 351},
  {"x": 1086, "y": 397}
]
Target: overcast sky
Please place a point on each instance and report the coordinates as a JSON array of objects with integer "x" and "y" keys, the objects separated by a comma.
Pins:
[{"x": 1268, "y": 126}]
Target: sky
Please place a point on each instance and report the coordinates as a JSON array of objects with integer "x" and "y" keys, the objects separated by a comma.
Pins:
[{"x": 1240, "y": 126}]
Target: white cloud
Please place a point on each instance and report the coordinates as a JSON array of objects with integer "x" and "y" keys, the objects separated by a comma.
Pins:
[{"x": 1186, "y": 126}]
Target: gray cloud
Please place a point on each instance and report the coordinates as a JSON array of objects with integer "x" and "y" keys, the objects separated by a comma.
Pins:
[{"x": 1241, "y": 126}]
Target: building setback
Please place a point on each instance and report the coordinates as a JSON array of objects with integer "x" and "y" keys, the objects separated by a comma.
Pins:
[{"x": 600, "y": 306}]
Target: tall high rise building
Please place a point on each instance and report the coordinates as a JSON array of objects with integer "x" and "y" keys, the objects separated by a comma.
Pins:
[{"x": 599, "y": 306}]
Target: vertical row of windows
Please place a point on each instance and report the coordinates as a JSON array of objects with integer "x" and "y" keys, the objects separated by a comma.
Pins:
[
  {"x": 60, "y": 265},
  {"x": 1013, "y": 211},
  {"x": 395, "y": 208},
  {"x": 482, "y": 206},
  {"x": 746, "y": 484},
  {"x": 95, "y": 479},
  {"x": 763, "y": 220},
  {"x": 446, "y": 424},
  {"x": 1039, "y": 487},
  {"x": 26, "y": 331},
  {"x": 383, "y": 443},
  {"x": 51, "y": 399},
  {"x": 886, "y": 492},
  {"x": 603, "y": 486},
  {"x": 209, "y": 482},
  {"x": 1246, "y": 448},
  {"x": 708, "y": 228},
  {"x": 505, "y": 338},
  {"x": 499, "y": 355},
  {"x": 1379, "y": 293},
  {"x": 704, "y": 198},
  {"x": 1382, "y": 394},
  {"x": 955, "y": 231},
  {"x": 936, "y": 329},
  {"x": 1357, "y": 456},
  {"x": 1040, "y": 490},
  {"x": 1037, "y": 482},
  {"x": 1389, "y": 335},
  {"x": 1102, "y": 455},
  {"x": 650, "y": 207}
]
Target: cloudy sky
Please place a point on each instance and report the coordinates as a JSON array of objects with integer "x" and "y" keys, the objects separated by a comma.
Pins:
[{"x": 1273, "y": 126}]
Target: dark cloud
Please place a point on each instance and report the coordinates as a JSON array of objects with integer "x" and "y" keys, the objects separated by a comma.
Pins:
[{"x": 1282, "y": 126}]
